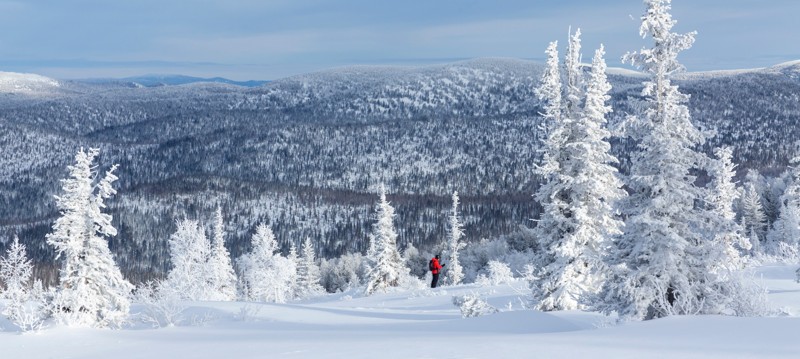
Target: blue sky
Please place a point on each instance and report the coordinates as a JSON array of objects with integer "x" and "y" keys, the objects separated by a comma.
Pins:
[{"x": 268, "y": 39}]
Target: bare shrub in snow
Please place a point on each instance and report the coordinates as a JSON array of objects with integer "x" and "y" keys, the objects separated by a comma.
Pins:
[
  {"x": 249, "y": 312},
  {"x": 162, "y": 304}
]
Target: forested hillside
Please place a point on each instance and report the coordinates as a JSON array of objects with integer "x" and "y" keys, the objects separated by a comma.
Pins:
[{"x": 306, "y": 154}]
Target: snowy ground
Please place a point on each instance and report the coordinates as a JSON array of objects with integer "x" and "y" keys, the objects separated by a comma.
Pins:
[{"x": 425, "y": 324}]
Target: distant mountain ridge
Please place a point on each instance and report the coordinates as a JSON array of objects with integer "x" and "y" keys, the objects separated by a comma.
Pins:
[{"x": 171, "y": 80}]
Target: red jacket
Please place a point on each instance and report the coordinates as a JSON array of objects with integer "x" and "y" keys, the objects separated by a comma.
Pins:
[{"x": 436, "y": 266}]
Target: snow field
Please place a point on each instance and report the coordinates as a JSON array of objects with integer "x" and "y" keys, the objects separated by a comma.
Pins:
[{"x": 423, "y": 324}]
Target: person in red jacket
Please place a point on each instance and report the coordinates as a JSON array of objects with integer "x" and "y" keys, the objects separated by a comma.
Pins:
[{"x": 435, "y": 268}]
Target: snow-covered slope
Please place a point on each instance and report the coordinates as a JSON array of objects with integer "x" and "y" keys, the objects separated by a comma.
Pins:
[
  {"x": 424, "y": 323},
  {"x": 12, "y": 82}
]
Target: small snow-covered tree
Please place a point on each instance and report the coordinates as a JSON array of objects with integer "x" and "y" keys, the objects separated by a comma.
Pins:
[
  {"x": 15, "y": 271},
  {"x": 221, "y": 277},
  {"x": 266, "y": 275},
  {"x": 754, "y": 219},
  {"x": 784, "y": 237},
  {"x": 581, "y": 189},
  {"x": 189, "y": 250},
  {"x": 308, "y": 274},
  {"x": 455, "y": 272},
  {"x": 389, "y": 267},
  {"x": 722, "y": 219},
  {"x": 91, "y": 291}
]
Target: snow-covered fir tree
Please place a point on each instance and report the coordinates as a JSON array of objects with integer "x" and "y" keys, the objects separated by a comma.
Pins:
[
  {"x": 266, "y": 275},
  {"x": 754, "y": 219},
  {"x": 784, "y": 236},
  {"x": 308, "y": 275},
  {"x": 720, "y": 198},
  {"x": 663, "y": 264},
  {"x": 455, "y": 272},
  {"x": 221, "y": 276},
  {"x": 189, "y": 250},
  {"x": 387, "y": 266},
  {"x": 579, "y": 219},
  {"x": 15, "y": 272},
  {"x": 91, "y": 290}
]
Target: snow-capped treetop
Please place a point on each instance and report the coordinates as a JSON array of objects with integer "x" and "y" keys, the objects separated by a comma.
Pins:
[
  {"x": 573, "y": 73},
  {"x": 549, "y": 90},
  {"x": 662, "y": 59}
]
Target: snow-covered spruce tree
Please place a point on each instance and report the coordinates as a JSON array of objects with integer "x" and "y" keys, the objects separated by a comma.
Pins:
[
  {"x": 663, "y": 264},
  {"x": 389, "y": 267},
  {"x": 294, "y": 262},
  {"x": 455, "y": 272},
  {"x": 308, "y": 275},
  {"x": 189, "y": 250},
  {"x": 266, "y": 275},
  {"x": 722, "y": 219},
  {"x": 579, "y": 219},
  {"x": 91, "y": 290},
  {"x": 754, "y": 219},
  {"x": 221, "y": 277},
  {"x": 15, "y": 271},
  {"x": 784, "y": 237}
]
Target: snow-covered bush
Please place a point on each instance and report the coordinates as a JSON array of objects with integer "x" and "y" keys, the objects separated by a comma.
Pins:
[
  {"x": 499, "y": 273},
  {"x": 471, "y": 305},
  {"x": 744, "y": 296},
  {"x": 476, "y": 256},
  {"x": 342, "y": 273},
  {"x": 416, "y": 262}
]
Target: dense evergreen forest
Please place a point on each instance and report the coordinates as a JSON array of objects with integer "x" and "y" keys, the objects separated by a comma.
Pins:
[{"x": 306, "y": 154}]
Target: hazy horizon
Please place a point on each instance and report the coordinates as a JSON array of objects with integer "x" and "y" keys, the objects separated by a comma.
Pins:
[{"x": 254, "y": 40}]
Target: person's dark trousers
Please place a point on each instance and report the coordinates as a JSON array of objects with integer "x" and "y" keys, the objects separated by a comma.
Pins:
[{"x": 435, "y": 280}]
